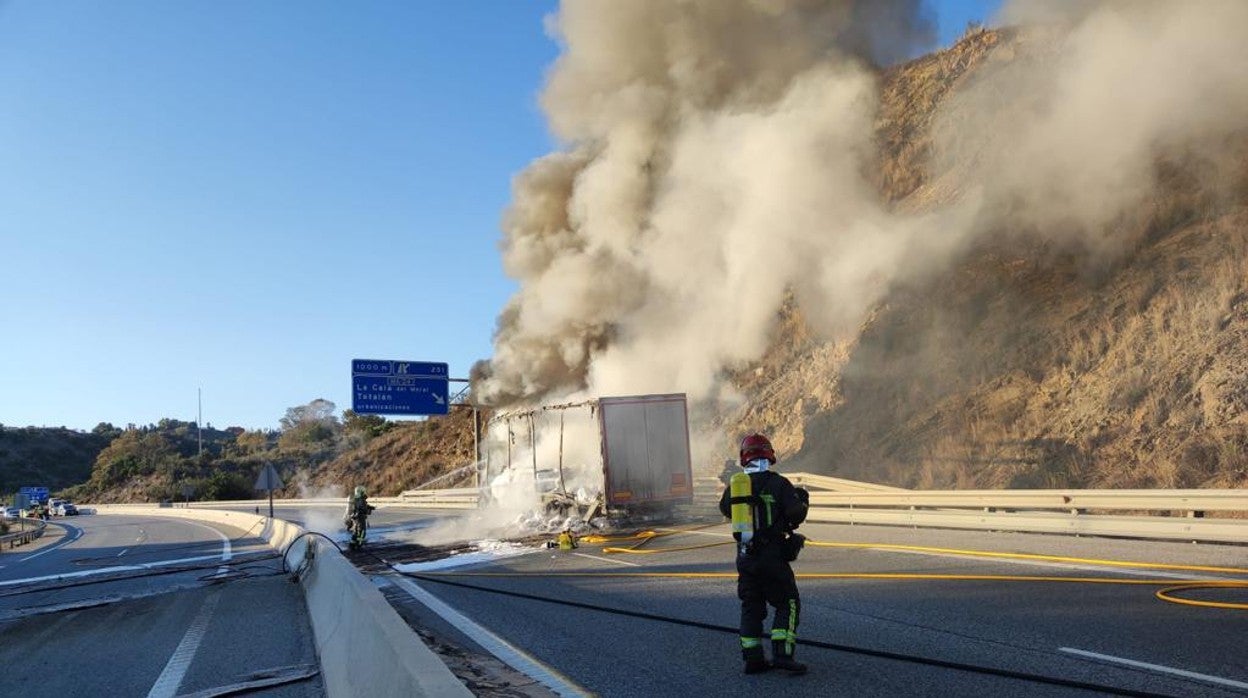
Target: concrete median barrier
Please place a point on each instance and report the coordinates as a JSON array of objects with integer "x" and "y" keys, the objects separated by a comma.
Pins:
[
  {"x": 364, "y": 646},
  {"x": 366, "y": 649}
]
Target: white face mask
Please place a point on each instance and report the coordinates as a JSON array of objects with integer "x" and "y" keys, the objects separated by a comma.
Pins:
[{"x": 757, "y": 465}]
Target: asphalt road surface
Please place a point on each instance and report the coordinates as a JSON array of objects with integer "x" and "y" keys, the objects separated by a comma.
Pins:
[
  {"x": 625, "y": 631},
  {"x": 88, "y": 611},
  {"x": 1108, "y": 634}
]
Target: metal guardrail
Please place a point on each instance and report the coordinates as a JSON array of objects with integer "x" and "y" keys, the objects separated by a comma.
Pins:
[
  {"x": 1109, "y": 500},
  {"x": 460, "y": 498},
  {"x": 22, "y": 537},
  {"x": 1169, "y": 528},
  {"x": 1037, "y": 511},
  {"x": 836, "y": 484},
  {"x": 836, "y": 500}
]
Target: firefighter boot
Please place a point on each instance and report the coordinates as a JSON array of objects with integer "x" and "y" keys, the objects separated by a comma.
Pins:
[
  {"x": 755, "y": 662},
  {"x": 782, "y": 658}
]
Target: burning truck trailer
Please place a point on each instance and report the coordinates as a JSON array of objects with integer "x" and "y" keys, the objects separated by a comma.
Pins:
[{"x": 622, "y": 458}]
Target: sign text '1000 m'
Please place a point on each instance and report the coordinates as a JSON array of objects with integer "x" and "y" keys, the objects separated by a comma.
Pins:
[{"x": 398, "y": 387}]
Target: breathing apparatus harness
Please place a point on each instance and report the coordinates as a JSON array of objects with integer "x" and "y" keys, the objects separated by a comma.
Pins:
[{"x": 746, "y": 506}]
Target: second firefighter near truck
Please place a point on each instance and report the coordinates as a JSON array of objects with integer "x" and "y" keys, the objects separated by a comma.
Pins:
[{"x": 765, "y": 509}]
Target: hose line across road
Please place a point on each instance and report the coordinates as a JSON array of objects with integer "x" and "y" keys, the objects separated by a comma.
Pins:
[
  {"x": 1169, "y": 593},
  {"x": 885, "y": 611}
]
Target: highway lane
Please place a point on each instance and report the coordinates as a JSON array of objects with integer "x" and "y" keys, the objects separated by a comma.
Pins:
[
  {"x": 86, "y": 543},
  {"x": 234, "y": 616},
  {"x": 142, "y": 550},
  {"x": 1032, "y": 627}
]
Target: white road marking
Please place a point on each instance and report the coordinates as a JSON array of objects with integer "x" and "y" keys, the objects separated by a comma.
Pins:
[
  {"x": 56, "y": 546},
  {"x": 123, "y": 552},
  {"x": 510, "y": 654},
  {"x": 1156, "y": 667},
  {"x": 607, "y": 559},
  {"x": 225, "y": 540},
  {"x": 170, "y": 679},
  {"x": 118, "y": 568}
]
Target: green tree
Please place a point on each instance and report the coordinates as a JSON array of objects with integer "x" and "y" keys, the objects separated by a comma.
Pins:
[
  {"x": 364, "y": 426},
  {"x": 106, "y": 430},
  {"x": 131, "y": 454},
  {"x": 252, "y": 441},
  {"x": 310, "y": 426},
  {"x": 221, "y": 485},
  {"x": 319, "y": 410}
]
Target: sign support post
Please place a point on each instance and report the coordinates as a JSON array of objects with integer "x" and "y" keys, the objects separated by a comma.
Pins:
[{"x": 269, "y": 480}]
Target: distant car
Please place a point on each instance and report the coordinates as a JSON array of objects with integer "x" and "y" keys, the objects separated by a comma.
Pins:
[
  {"x": 12, "y": 512},
  {"x": 67, "y": 509}
]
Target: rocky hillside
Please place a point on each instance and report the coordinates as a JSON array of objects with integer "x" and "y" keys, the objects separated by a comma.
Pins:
[
  {"x": 1032, "y": 364},
  {"x": 408, "y": 455}
]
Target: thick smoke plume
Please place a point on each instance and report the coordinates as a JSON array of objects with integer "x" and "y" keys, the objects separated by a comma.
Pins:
[
  {"x": 715, "y": 157},
  {"x": 718, "y": 158}
]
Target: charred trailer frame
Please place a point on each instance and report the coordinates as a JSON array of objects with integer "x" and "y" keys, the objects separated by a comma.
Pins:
[{"x": 643, "y": 445}]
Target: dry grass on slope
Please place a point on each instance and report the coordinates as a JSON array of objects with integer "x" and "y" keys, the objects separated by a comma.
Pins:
[
  {"x": 1033, "y": 364},
  {"x": 1020, "y": 374},
  {"x": 408, "y": 455}
]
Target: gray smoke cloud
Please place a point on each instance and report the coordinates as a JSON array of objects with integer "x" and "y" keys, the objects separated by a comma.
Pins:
[
  {"x": 713, "y": 146},
  {"x": 718, "y": 158},
  {"x": 1067, "y": 140}
]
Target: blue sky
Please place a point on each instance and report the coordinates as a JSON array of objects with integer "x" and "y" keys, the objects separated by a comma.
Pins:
[{"x": 244, "y": 196}]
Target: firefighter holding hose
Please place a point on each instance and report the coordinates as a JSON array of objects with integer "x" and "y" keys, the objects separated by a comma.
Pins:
[
  {"x": 765, "y": 509},
  {"x": 356, "y": 517}
]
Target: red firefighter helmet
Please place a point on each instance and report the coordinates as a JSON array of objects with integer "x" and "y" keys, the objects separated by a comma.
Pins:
[{"x": 756, "y": 446}]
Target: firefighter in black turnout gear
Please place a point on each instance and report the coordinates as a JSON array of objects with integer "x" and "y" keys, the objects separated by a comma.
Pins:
[{"x": 764, "y": 551}]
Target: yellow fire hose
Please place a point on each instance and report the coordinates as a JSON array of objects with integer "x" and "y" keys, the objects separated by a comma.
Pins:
[{"x": 1168, "y": 594}]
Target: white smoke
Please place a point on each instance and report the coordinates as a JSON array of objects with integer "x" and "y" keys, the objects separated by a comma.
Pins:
[
  {"x": 1066, "y": 144},
  {"x": 716, "y": 161},
  {"x": 324, "y": 520},
  {"x": 718, "y": 158}
]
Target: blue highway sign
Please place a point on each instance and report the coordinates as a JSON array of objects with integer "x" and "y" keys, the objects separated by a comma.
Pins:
[
  {"x": 36, "y": 494},
  {"x": 399, "y": 387}
]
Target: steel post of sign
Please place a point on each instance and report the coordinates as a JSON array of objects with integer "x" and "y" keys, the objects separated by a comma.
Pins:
[
  {"x": 533, "y": 445},
  {"x": 465, "y": 398},
  {"x": 269, "y": 480}
]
